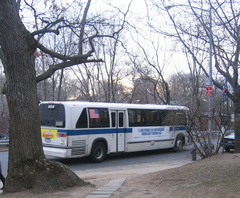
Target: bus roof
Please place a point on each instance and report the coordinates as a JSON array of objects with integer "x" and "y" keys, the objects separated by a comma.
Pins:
[{"x": 116, "y": 105}]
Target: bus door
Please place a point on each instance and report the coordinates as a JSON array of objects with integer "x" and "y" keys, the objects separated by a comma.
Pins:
[{"x": 118, "y": 122}]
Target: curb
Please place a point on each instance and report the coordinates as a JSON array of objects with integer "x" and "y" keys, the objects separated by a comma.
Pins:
[{"x": 107, "y": 190}]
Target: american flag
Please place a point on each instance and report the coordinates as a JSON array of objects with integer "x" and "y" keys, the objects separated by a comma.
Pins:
[{"x": 94, "y": 113}]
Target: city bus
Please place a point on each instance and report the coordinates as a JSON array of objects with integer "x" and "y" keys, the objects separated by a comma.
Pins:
[{"x": 71, "y": 129}]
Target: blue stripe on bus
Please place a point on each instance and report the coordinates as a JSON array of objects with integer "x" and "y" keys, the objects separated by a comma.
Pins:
[
  {"x": 177, "y": 128},
  {"x": 95, "y": 131},
  {"x": 108, "y": 131}
]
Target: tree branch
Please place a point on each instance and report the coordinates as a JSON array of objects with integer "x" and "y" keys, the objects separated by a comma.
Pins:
[
  {"x": 52, "y": 53},
  {"x": 48, "y": 27},
  {"x": 65, "y": 64},
  {"x": 63, "y": 57},
  {"x": 82, "y": 27},
  {"x": 44, "y": 31}
]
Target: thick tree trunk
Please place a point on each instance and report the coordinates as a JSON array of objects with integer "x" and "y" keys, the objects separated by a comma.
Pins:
[
  {"x": 237, "y": 119},
  {"x": 28, "y": 168}
]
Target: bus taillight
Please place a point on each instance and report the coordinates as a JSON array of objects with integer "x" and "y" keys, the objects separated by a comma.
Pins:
[{"x": 62, "y": 135}]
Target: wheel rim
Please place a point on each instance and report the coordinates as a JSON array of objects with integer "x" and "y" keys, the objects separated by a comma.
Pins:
[
  {"x": 179, "y": 144},
  {"x": 99, "y": 153}
]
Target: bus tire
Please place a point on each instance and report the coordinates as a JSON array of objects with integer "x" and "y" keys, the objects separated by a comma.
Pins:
[
  {"x": 98, "y": 152},
  {"x": 179, "y": 143}
]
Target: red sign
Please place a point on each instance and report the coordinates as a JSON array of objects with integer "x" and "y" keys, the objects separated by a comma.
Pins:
[{"x": 209, "y": 90}]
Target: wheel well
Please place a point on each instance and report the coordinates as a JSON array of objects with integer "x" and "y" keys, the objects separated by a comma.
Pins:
[
  {"x": 104, "y": 141},
  {"x": 181, "y": 136}
]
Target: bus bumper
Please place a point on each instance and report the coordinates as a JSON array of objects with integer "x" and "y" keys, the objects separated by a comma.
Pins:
[{"x": 56, "y": 152}]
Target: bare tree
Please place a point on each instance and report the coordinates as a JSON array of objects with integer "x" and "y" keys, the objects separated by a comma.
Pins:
[
  {"x": 102, "y": 81},
  {"x": 28, "y": 168},
  {"x": 150, "y": 64},
  {"x": 225, "y": 41}
]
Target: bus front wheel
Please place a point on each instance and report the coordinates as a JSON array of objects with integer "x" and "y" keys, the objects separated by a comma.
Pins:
[
  {"x": 179, "y": 143},
  {"x": 98, "y": 152}
]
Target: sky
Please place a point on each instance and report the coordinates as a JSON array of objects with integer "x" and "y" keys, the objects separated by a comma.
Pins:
[{"x": 139, "y": 16}]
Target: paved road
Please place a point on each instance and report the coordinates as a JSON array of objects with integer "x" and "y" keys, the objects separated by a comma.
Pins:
[
  {"x": 128, "y": 159},
  {"x": 4, "y": 162},
  {"x": 116, "y": 166}
]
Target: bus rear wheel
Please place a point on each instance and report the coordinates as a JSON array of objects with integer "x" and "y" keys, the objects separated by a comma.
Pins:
[{"x": 98, "y": 152}]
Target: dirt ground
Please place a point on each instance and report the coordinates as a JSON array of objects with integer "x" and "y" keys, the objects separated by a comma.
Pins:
[{"x": 214, "y": 177}]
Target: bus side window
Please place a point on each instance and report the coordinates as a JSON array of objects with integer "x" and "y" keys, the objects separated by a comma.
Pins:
[
  {"x": 98, "y": 117},
  {"x": 113, "y": 116},
  {"x": 120, "y": 124},
  {"x": 180, "y": 117},
  {"x": 137, "y": 117},
  {"x": 173, "y": 117},
  {"x": 158, "y": 118},
  {"x": 164, "y": 117},
  {"x": 82, "y": 120},
  {"x": 132, "y": 115},
  {"x": 153, "y": 118}
]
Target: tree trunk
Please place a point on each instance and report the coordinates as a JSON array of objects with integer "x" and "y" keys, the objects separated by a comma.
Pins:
[
  {"x": 28, "y": 168},
  {"x": 237, "y": 119}
]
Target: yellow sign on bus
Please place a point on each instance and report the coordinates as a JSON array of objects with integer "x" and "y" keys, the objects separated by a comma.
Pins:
[{"x": 49, "y": 133}]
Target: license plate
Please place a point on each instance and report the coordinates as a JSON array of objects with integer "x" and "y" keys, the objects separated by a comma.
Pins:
[{"x": 47, "y": 140}]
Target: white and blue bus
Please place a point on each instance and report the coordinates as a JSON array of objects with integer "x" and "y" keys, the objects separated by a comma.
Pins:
[{"x": 73, "y": 129}]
